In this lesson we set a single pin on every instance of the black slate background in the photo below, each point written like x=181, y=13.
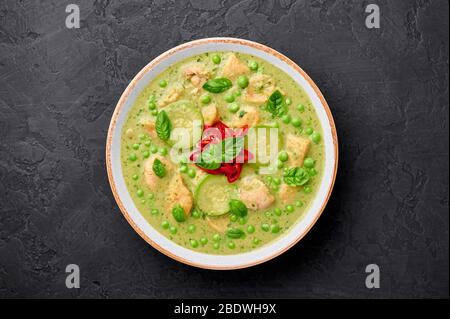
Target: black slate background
x=387, y=88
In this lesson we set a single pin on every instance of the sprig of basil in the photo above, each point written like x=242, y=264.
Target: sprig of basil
x=235, y=233
x=276, y=105
x=238, y=208
x=232, y=147
x=218, y=85
x=159, y=168
x=178, y=213
x=163, y=125
x=296, y=176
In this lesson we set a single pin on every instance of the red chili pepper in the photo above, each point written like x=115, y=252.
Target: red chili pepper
x=231, y=170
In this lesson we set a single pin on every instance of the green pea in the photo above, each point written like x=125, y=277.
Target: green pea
x=231, y=245
x=165, y=224
x=163, y=83
x=309, y=131
x=242, y=81
x=152, y=98
x=135, y=177
x=140, y=192
x=237, y=93
x=250, y=229
x=275, y=229
x=151, y=196
x=242, y=221
x=299, y=203
x=203, y=241
x=216, y=237
x=296, y=122
x=283, y=156
x=196, y=214
x=154, y=112
x=191, y=172
x=216, y=59
x=191, y=228
x=277, y=181
x=141, y=136
x=308, y=162
x=183, y=168
x=275, y=188
x=153, y=149
x=216, y=246
x=229, y=98
x=146, y=154
x=265, y=227
x=277, y=211
x=152, y=106
x=286, y=119
x=154, y=212
x=135, y=146
x=307, y=189
x=233, y=107
x=289, y=208
x=312, y=172
x=288, y=101
x=301, y=108
x=280, y=164
x=256, y=241
x=253, y=65
x=316, y=137
x=173, y=230
x=194, y=243
x=143, y=201
x=233, y=217
x=148, y=143
x=132, y=157
x=205, y=98
x=163, y=151
x=269, y=179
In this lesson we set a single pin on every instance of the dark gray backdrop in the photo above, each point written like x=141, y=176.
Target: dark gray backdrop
x=388, y=91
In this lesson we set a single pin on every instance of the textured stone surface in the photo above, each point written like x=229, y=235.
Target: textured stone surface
x=387, y=88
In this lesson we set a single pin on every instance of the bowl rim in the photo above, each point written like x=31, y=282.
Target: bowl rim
x=156, y=61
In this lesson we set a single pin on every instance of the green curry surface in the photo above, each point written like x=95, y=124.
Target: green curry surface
x=200, y=231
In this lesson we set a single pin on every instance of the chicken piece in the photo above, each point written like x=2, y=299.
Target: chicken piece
x=297, y=147
x=255, y=194
x=178, y=193
x=173, y=95
x=287, y=193
x=196, y=74
x=234, y=67
x=219, y=224
x=210, y=114
x=149, y=125
x=150, y=177
x=247, y=116
x=260, y=87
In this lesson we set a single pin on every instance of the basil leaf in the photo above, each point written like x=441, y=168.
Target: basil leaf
x=232, y=147
x=218, y=85
x=238, y=208
x=159, y=168
x=163, y=126
x=209, y=166
x=296, y=176
x=235, y=233
x=211, y=157
x=276, y=105
x=178, y=213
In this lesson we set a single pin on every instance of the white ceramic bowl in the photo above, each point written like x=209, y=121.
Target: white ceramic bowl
x=163, y=244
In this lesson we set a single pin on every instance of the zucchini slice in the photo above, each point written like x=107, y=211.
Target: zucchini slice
x=213, y=195
x=184, y=114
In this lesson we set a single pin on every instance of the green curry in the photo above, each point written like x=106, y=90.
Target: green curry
x=228, y=199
